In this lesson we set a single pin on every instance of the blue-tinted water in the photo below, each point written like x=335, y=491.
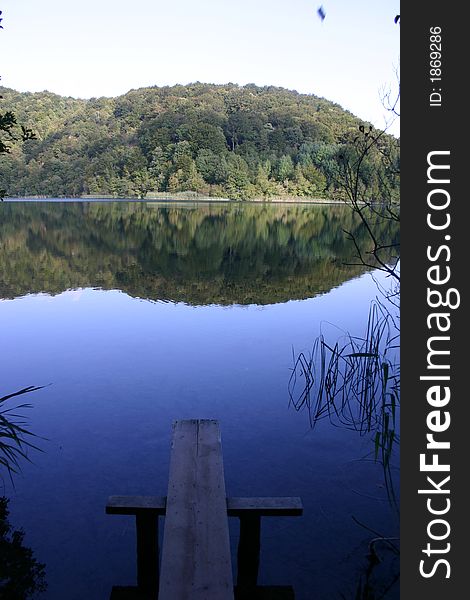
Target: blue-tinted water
x=122, y=368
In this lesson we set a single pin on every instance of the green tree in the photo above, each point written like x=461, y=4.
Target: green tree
x=143, y=181
x=186, y=178
x=285, y=168
x=10, y=130
x=238, y=186
x=136, y=142
x=265, y=185
x=158, y=168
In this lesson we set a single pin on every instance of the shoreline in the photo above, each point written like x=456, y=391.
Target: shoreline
x=183, y=198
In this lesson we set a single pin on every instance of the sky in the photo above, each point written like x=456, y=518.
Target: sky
x=94, y=48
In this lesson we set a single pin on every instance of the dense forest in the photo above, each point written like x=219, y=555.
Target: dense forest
x=224, y=254
x=217, y=140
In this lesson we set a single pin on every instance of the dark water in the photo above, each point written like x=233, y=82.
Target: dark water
x=141, y=314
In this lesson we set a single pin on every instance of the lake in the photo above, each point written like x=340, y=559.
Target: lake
x=136, y=314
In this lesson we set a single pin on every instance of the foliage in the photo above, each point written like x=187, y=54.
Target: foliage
x=8, y=131
x=355, y=382
x=8, y=123
x=372, y=160
x=15, y=439
x=21, y=575
x=220, y=140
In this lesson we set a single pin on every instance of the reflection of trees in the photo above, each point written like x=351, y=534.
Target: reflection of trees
x=21, y=575
x=212, y=254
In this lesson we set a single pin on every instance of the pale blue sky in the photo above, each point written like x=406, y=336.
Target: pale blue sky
x=96, y=48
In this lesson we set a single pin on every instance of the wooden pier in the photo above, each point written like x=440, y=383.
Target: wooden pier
x=195, y=559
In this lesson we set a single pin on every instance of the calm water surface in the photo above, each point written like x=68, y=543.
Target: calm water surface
x=138, y=315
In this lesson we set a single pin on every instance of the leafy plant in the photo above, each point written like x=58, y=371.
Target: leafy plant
x=8, y=128
x=15, y=439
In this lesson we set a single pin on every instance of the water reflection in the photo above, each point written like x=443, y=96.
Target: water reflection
x=213, y=254
x=354, y=383
x=122, y=370
x=21, y=574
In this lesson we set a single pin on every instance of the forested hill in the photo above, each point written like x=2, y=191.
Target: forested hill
x=219, y=140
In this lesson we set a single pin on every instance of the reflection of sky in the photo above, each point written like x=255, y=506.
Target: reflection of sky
x=123, y=369
x=99, y=331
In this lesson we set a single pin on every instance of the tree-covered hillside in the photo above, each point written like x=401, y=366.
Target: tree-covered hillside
x=218, y=140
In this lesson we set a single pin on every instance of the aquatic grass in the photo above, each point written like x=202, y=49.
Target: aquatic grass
x=15, y=438
x=381, y=549
x=355, y=383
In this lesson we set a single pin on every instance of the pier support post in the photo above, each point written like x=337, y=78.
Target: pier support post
x=249, y=551
x=147, y=554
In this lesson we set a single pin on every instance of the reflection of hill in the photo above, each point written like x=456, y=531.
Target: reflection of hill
x=226, y=254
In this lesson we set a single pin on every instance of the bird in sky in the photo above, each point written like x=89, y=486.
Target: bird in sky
x=321, y=13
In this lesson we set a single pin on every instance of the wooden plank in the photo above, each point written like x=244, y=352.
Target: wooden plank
x=236, y=507
x=265, y=507
x=196, y=560
x=132, y=505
